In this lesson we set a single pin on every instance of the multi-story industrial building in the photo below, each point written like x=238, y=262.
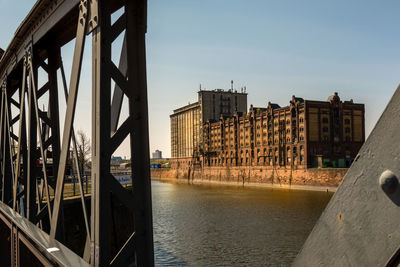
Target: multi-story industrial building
x=304, y=134
x=187, y=121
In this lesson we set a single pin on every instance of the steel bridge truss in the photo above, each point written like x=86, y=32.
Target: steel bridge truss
x=31, y=142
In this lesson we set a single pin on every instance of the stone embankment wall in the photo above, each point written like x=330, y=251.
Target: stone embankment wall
x=254, y=175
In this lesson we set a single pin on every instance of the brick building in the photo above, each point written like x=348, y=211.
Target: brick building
x=187, y=121
x=306, y=133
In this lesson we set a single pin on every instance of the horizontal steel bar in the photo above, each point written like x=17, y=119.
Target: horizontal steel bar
x=44, y=15
x=54, y=249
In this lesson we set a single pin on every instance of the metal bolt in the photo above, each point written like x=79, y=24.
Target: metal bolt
x=388, y=182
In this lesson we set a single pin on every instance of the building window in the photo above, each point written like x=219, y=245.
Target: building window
x=326, y=138
x=288, y=122
x=325, y=129
x=346, y=121
x=348, y=139
x=347, y=130
x=325, y=120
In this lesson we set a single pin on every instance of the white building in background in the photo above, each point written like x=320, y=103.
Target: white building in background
x=157, y=154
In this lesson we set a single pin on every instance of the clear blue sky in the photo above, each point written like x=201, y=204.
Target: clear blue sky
x=308, y=48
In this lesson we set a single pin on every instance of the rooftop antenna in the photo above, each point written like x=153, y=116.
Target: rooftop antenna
x=232, y=85
x=200, y=87
x=245, y=89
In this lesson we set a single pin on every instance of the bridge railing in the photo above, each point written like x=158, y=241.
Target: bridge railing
x=23, y=244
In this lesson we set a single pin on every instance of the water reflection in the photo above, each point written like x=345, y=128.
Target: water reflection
x=231, y=226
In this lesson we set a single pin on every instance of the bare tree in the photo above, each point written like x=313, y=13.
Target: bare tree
x=83, y=147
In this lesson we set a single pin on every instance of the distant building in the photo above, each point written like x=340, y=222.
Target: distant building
x=305, y=134
x=116, y=161
x=125, y=165
x=187, y=121
x=157, y=154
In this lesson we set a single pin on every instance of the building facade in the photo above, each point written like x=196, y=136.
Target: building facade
x=187, y=122
x=304, y=134
x=156, y=154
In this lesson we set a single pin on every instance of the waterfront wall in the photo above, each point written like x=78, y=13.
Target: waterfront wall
x=257, y=175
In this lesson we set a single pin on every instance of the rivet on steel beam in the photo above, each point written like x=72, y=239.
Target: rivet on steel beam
x=388, y=182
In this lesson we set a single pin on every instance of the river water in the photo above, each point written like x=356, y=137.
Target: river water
x=208, y=225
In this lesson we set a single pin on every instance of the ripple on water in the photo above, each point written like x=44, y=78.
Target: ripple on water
x=228, y=226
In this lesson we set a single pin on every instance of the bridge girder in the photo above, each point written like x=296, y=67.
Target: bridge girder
x=26, y=186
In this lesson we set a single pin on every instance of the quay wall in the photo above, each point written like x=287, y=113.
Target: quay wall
x=256, y=175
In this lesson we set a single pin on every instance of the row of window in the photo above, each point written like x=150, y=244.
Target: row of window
x=216, y=162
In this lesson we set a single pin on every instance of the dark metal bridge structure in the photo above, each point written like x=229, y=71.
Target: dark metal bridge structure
x=117, y=221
